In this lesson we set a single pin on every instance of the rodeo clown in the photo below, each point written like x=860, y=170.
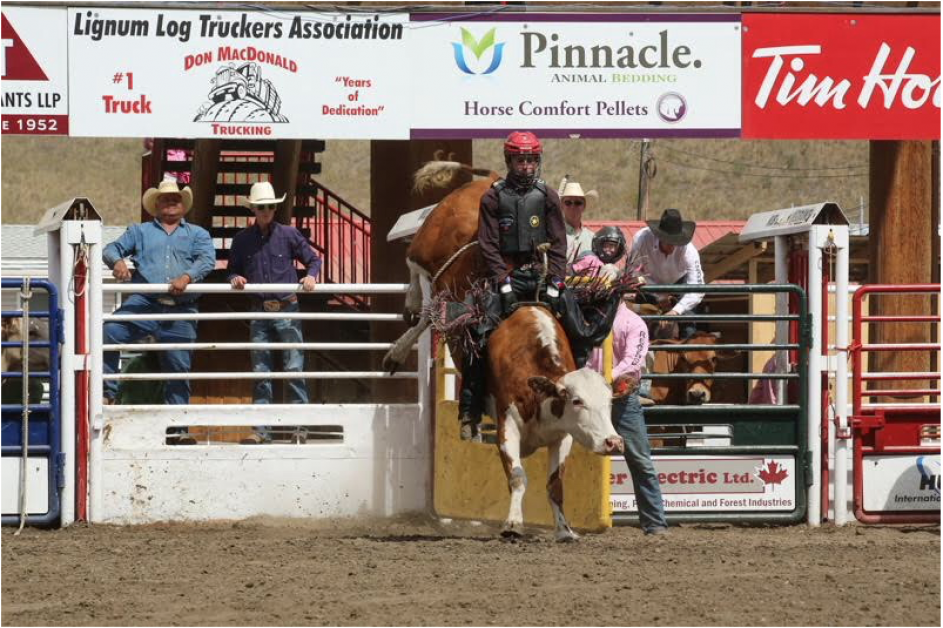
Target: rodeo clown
x=517, y=215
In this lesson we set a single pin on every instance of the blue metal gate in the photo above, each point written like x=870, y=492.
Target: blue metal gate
x=43, y=416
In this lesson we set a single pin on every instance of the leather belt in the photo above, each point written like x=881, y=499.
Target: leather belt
x=277, y=305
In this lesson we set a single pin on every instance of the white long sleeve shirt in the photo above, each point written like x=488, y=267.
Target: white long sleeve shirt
x=657, y=268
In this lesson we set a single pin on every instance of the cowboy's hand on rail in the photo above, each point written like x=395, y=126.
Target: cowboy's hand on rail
x=121, y=272
x=308, y=283
x=238, y=282
x=178, y=285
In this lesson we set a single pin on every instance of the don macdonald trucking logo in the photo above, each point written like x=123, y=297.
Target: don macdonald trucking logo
x=240, y=100
x=640, y=59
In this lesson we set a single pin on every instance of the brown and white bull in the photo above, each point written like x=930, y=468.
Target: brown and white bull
x=539, y=399
x=696, y=391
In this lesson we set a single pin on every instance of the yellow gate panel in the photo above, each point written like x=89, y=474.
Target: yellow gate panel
x=469, y=481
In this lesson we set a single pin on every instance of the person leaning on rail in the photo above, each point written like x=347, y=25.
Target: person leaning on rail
x=266, y=252
x=170, y=250
x=579, y=239
x=668, y=256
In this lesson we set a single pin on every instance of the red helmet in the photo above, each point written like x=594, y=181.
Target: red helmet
x=522, y=143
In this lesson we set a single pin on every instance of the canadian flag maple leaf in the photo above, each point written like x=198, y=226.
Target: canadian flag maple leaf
x=773, y=473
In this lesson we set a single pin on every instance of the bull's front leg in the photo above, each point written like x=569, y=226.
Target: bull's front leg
x=509, y=444
x=557, y=453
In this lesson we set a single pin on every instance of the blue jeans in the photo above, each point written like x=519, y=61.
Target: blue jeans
x=293, y=360
x=630, y=425
x=176, y=391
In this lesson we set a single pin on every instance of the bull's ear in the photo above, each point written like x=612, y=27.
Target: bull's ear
x=546, y=387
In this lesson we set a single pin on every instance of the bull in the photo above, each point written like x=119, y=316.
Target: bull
x=540, y=399
x=701, y=362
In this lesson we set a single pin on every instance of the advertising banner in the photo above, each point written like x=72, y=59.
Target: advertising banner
x=35, y=71
x=713, y=484
x=567, y=75
x=237, y=74
x=901, y=483
x=847, y=76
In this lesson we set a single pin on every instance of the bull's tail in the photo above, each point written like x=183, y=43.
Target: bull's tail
x=442, y=174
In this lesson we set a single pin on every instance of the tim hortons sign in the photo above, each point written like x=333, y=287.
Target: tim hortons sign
x=841, y=76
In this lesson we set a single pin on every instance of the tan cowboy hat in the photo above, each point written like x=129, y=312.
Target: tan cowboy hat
x=168, y=186
x=572, y=188
x=262, y=193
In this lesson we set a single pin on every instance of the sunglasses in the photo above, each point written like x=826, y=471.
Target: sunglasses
x=574, y=203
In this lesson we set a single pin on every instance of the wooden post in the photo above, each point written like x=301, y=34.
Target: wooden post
x=901, y=243
x=203, y=182
x=392, y=165
x=285, y=177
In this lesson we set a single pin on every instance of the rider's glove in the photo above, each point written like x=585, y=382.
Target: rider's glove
x=508, y=298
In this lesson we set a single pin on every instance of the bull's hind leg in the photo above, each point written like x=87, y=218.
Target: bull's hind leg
x=557, y=459
x=509, y=444
x=414, y=293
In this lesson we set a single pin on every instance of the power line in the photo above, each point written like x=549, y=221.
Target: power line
x=759, y=167
x=757, y=174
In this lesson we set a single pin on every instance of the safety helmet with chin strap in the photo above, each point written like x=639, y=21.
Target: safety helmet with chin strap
x=522, y=143
x=613, y=234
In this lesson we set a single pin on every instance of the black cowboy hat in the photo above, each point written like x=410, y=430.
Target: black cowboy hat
x=671, y=229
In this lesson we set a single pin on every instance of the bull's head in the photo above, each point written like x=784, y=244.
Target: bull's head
x=12, y=331
x=702, y=362
x=580, y=404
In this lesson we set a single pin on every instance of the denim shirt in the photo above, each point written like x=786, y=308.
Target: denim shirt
x=160, y=257
x=271, y=258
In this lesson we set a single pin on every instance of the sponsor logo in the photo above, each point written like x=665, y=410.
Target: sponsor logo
x=478, y=48
x=671, y=107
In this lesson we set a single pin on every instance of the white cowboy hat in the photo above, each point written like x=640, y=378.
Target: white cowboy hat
x=168, y=186
x=262, y=193
x=572, y=188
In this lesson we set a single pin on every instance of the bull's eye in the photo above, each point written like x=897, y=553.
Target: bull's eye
x=577, y=402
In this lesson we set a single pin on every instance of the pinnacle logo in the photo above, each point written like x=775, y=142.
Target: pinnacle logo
x=477, y=48
x=17, y=63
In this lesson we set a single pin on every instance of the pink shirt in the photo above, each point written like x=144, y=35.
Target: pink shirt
x=629, y=344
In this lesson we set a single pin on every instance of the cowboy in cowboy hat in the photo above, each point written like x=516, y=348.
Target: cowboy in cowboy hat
x=266, y=252
x=579, y=239
x=166, y=250
x=667, y=256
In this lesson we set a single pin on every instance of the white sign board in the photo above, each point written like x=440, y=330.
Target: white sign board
x=713, y=484
x=790, y=221
x=237, y=74
x=901, y=483
x=562, y=75
x=35, y=71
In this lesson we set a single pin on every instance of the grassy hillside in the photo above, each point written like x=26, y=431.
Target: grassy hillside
x=706, y=179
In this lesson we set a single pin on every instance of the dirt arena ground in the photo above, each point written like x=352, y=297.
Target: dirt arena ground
x=418, y=571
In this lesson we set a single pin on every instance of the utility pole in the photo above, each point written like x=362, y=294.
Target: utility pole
x=642, y=212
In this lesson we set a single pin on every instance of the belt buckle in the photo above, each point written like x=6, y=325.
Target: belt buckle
x=272, y=306
x=168, y=301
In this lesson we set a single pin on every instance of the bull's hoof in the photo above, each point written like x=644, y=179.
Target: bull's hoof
x=567, y=536
x=390, y=365
x=410, y=318
x=512, y=530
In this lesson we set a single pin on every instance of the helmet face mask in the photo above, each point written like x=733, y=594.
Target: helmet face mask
x=522, y=156
x=609, y=244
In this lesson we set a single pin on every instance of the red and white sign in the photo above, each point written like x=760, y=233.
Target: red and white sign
x=712, y=484
x=35, y=71
x=814, y=76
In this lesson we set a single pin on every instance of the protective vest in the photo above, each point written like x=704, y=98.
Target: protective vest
x=522, y=218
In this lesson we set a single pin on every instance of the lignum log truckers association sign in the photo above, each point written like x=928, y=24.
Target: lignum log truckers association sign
x=242, y=74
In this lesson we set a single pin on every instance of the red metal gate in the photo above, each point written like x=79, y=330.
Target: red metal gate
x=896, y=445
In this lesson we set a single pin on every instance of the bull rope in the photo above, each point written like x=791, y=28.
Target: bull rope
x=449, y=261
x=25, y=296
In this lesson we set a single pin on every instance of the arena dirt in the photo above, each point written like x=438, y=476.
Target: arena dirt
x=418, y=571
